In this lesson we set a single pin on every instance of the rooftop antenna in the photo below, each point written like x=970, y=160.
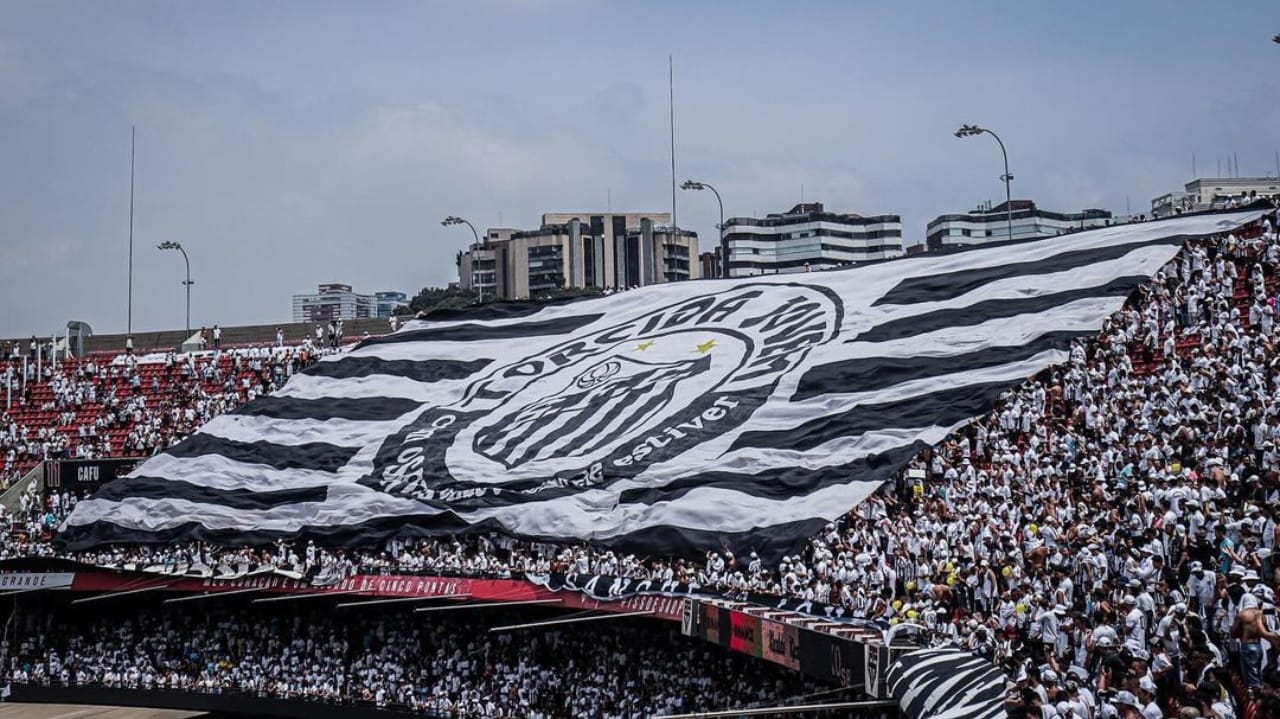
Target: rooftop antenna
x=802, y=193
x=671, y=99
x=133, y=143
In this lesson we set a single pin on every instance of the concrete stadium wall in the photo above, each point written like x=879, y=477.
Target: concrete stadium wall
x=232, y=336
x=165, y=340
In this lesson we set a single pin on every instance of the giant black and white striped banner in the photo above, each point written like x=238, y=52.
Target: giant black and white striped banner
x=691, y=415
x=946, y=683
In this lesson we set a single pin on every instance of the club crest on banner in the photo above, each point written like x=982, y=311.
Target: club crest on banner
x=611, y=401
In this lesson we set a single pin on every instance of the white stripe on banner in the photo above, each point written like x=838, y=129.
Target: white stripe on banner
x=677, y=417
x=302, y=386
x=1141, y=261
x=1081, y=315
x=212, y=470
x=582, y=513
x=433, y=349
x=346, y=503
x=576, y=517
x=293, y=432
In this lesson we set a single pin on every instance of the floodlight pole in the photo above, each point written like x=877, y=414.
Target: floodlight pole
x=170, y=245
x=970, y=131
x=455, y=220
x=1008, y=193
x=724, y=247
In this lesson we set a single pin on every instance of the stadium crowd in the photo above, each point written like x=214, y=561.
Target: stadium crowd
x=1105, y=534
x=146, y=403
x=435, y=667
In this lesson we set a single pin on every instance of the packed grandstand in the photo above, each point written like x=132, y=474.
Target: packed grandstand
x=1103, y=537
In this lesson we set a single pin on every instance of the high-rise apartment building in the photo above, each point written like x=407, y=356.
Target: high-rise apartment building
x=991, y=224
x=334, y=301
x=808, y=238
x=1214, y=193
x=604, y=250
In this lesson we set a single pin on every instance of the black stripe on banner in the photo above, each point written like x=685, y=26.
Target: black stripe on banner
x=436, y=370
x=363, y=534
x=481, y=333
x=784, y=482
x=950, y=285
x=362, y=409
x=987, y=310
x=514, y=309
x=772, y=542
x=318, y=456
x=942, y=408
x=244, y=499
x=866, y=374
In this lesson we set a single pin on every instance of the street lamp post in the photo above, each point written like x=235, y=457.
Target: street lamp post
x=171, y=245
x=455, y=220
x=724, y=248
x=972, y=130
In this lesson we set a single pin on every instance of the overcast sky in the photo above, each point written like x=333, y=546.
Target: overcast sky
x=286, y=144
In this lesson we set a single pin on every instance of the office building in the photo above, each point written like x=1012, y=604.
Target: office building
x=333, y=301
x=386, y=303
x=1214, y=193
x=991, y=224
x=808, y=238
x=483, y=269
x=710, y=263
x=605, y=250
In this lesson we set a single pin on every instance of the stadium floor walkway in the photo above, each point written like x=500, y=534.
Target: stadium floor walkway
x=77, y=711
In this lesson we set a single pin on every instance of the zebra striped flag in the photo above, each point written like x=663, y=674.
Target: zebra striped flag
x=743, y=413
x=946, y=682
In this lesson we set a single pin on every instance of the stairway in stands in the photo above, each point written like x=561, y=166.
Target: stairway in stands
x=1242, y=300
